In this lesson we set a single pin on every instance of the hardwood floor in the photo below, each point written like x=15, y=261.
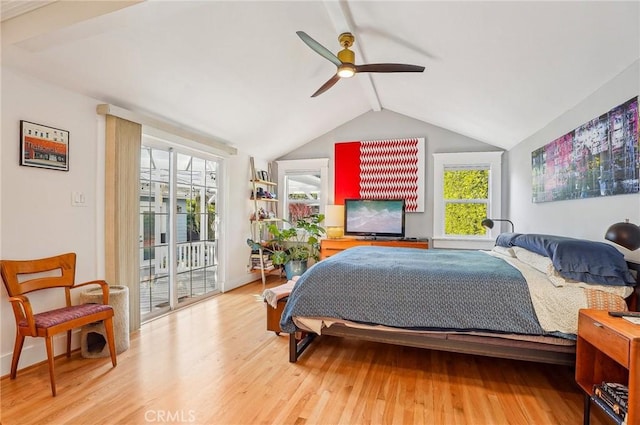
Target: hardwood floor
x=214, y=363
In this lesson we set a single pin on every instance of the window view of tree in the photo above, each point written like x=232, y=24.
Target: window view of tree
x=149, y=240
x=466, y=195
x=194, y=217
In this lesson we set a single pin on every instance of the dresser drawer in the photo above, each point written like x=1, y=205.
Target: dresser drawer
x=342, y=244
x=606, y=339
x=329, y=247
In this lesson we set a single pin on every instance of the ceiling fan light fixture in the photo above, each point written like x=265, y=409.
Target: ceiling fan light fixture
x=346, y=70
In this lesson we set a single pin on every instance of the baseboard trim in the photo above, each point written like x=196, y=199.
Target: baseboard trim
x=34, y=352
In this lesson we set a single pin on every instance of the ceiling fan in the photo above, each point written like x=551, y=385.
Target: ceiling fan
x=346, y=58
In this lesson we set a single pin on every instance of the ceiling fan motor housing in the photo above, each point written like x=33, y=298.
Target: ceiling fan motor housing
x=346, y=56
x=346, y=40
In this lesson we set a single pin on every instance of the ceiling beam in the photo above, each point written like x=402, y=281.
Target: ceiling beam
x=55, y=16
x=12, y=8
x=341, y=19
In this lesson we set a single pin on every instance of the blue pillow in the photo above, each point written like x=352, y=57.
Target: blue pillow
x=540, y=244
x=582, y=260
x=506, y=239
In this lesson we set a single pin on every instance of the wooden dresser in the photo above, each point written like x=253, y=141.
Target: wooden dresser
x=328, y=247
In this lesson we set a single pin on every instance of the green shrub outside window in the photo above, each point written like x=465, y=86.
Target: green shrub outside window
x=466, y=195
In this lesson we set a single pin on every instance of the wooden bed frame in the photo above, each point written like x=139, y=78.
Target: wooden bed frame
x=458, y=342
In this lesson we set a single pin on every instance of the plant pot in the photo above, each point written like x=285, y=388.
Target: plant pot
x=295, y=268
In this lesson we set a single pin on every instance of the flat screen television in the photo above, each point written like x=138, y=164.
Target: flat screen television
x=374, y=217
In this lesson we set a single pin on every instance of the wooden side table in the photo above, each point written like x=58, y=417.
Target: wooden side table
x=608, y=350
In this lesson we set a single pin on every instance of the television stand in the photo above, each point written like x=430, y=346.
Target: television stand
x=329, y=247
x=377, y=238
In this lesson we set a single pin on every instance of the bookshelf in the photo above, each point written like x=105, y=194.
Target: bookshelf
x=264, y=212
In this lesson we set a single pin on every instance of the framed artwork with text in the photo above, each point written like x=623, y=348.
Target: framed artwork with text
x=43, y=146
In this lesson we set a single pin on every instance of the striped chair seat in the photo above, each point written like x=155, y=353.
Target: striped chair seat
x=55, y=317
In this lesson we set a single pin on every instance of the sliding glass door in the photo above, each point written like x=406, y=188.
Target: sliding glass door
x=155, y=188
x=196, y=197
x=178, y=221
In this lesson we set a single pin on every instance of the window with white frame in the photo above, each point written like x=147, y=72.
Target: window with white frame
x=304, y=187
x=467, y=189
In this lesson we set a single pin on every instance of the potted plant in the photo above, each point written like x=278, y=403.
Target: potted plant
x=293, y=246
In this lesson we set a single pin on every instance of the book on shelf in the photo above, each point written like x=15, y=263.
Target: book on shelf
x=266, y=261
x=265, y=268
x=608, y=410
x=614, y=396
x=619, y=392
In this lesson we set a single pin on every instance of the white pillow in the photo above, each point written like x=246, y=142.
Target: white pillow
x=504, y=251
x=542, y=264
x=537, y=261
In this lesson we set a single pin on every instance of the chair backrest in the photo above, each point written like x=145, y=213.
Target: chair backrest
x=52, y=272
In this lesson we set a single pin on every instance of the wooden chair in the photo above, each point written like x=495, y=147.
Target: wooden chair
x=52, y=272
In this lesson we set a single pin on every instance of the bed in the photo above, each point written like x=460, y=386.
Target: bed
x=520, y=300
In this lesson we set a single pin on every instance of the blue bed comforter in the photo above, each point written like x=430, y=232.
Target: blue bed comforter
x=415, y=289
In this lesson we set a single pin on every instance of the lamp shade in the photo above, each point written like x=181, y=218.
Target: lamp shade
x=334, y=220
x=488, y=223
x=334, y=215
x=624, y=234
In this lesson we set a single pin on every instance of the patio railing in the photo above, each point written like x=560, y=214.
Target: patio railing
x=189, y=255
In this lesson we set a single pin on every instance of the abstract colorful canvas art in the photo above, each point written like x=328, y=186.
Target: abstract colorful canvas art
x=599, y=158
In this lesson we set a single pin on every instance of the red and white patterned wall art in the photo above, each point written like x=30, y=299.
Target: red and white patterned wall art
x=381, y=169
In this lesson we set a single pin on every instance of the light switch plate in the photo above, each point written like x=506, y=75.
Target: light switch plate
x=78, y=199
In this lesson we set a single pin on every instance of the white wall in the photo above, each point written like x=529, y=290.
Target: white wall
x=583, y=218
x=387, y=125
x=37, y=219
x=237, y=221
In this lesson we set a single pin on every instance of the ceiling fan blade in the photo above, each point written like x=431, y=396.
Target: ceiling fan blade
x=388, y=67
x=319, y=48
x=326, y=86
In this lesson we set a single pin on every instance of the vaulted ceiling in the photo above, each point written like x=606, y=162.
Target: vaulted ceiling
x=236, y=70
